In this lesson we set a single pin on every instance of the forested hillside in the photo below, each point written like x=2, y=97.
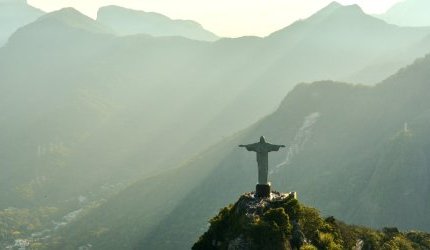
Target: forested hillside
x=349, y=153
x=119, y=141
x=100, y=109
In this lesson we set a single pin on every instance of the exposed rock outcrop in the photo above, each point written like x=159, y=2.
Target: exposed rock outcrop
x=253, y=223
x=280, y=222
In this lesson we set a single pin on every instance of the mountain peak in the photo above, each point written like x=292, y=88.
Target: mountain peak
x=13, y=15
x=328, y=10
x=64, y=14
x=13, y=1
x=75, y=19
x=281, y=222
x=256, y=223
x=408, y=13
x=338, y=13
x=335, y=7
x=331, y=18
x=63, y=21
x=64, y=11
x=130, y=22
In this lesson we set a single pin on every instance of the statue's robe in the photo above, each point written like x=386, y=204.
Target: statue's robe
x=262, y=149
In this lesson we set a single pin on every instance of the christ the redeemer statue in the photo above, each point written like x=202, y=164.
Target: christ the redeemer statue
x=262, y=149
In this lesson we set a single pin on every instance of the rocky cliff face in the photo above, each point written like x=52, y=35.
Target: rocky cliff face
x=281, y=222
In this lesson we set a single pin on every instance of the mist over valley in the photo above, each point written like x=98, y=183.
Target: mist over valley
x=122, y=132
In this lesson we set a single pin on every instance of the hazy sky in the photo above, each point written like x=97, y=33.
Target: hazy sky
x=223, y=17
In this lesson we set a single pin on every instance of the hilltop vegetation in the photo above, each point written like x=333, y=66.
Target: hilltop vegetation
x=284, y=223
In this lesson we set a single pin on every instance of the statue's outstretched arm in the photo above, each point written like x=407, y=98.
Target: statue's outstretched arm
x=249, y=147
x=273, y=147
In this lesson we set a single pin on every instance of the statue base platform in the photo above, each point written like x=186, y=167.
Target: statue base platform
x=263, y=190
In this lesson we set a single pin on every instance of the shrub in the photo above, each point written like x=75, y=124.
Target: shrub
x=308, y=247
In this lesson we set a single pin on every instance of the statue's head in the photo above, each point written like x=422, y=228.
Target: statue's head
x=262, y=139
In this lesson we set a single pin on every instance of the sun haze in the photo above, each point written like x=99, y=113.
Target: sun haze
x=223, y=17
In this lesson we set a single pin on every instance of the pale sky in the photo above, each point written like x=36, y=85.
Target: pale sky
x=229, y=18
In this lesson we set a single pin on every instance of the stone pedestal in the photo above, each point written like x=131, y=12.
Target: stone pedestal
x=262, y=190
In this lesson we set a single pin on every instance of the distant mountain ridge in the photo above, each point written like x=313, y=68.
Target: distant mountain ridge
x=13, y=15
x=107, y=86
x=130, y=22
x=345, y=27
x=350, y=142
x=14, y=1
x=75, y=19
x=408, y=13
x=83, y=108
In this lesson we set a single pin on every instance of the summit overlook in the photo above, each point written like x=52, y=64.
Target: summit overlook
x=127, y=138
x=282, y=223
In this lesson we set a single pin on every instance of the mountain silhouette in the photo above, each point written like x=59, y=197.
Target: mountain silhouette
x=338, y=30
x=15, y=14
x=83, y=108
x=345, y=144
x=130, y=22
x=72, y=18
x=339, y=43
x=100, y=92
x=408, y=13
